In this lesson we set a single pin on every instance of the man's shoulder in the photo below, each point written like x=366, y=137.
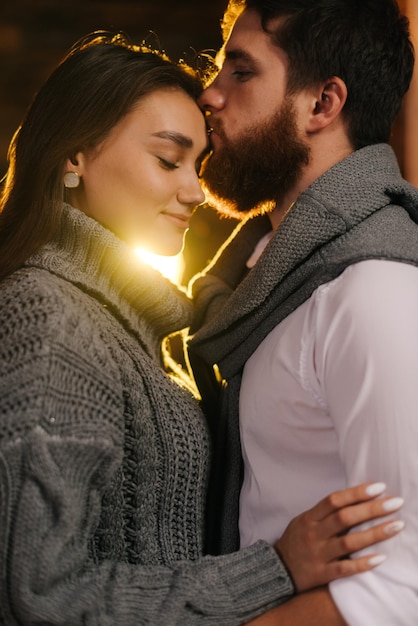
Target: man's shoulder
x=371, y=284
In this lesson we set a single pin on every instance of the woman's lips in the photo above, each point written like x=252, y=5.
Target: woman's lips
x=178, y=219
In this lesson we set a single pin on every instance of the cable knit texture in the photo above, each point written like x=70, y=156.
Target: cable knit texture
x=103, y=456
x=360, y=209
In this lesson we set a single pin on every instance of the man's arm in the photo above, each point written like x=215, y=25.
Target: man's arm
x=317, y=547
x=365, y=370
x=313, y=608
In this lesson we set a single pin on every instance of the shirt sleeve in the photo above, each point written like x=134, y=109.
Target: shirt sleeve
x=366, y=363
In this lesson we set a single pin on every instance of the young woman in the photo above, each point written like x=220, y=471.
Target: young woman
x=103, y=455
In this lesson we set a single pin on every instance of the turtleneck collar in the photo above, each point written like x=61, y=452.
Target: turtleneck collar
x=91, y=257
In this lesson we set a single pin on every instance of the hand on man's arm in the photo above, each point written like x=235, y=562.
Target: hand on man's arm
x=312, y=608
x=316, y=549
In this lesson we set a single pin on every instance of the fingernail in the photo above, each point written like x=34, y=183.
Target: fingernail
x=375, y=489
x=377, y=560
x=394, y=527
x=393, y=504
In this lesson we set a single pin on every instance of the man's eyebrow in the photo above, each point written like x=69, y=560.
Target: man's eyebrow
x=237, y=54
x=178, y=138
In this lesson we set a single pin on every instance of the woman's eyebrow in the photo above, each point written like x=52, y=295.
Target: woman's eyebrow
x=178, y=138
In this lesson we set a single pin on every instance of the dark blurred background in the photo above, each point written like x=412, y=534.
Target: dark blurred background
x=35, y=34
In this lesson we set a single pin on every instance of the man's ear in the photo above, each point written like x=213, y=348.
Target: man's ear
x=327, y=106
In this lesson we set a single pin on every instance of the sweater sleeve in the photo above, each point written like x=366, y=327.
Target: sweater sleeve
x=48, y=514
x=61, y=442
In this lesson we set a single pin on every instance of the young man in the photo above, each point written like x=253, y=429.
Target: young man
x=310, y=312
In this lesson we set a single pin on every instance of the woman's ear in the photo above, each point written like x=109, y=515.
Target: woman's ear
x=72, y=172
x=327, y=106
x=74, y=161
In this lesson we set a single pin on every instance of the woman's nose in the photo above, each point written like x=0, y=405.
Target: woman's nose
x=191, y=192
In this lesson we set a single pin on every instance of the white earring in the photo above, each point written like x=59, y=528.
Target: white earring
x=71, y=180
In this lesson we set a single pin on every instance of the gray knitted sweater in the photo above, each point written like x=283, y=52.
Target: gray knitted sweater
x=360, y=209
x=103, y=456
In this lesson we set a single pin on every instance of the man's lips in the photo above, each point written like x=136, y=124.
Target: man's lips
x=214, y=139
x=215, y=131
x=214, y=127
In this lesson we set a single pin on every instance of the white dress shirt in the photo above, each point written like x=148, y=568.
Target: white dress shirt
x=328, y=400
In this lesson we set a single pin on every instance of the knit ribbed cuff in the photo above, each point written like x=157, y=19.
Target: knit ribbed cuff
x=257, y=578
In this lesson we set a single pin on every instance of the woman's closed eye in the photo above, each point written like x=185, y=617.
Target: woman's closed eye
x=168, y=165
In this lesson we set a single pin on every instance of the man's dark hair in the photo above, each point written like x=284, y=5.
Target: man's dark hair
x=364, y=42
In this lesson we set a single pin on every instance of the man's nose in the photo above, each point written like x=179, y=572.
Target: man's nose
x=212, y=99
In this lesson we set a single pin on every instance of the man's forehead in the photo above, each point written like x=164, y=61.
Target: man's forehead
x=238, y=36
x=248, y=21
x=245, y=35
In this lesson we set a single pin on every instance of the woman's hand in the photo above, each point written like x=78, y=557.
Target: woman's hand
x=315, y=546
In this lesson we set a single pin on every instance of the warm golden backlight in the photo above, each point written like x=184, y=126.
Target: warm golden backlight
x=169, y=266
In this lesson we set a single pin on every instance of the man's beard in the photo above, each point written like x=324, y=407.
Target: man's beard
x=253, y=173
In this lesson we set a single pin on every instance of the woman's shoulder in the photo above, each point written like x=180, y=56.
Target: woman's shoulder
x=51, y=359
x=43, y=313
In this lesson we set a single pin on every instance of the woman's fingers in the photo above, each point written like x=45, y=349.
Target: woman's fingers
x=342, y=568
x=346, y=497
x=316, y=546
x=313, y=562
x=345, y=545
x=343, y=519
x=349, y=567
